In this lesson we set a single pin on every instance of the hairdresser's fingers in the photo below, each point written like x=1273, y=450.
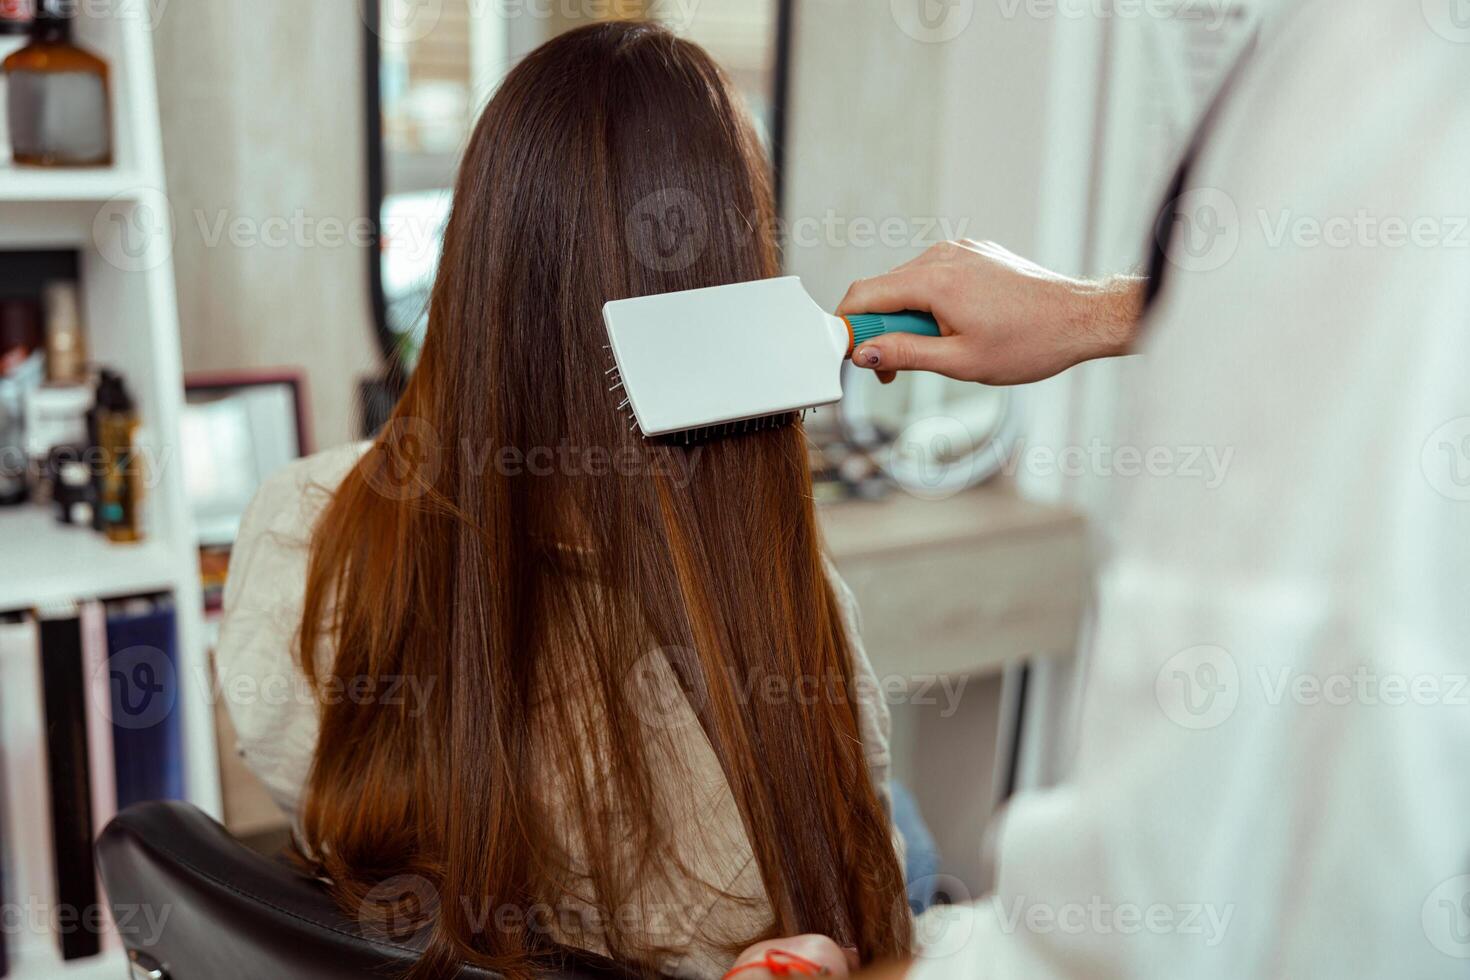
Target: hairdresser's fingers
x=911, y=288
x=950, y=356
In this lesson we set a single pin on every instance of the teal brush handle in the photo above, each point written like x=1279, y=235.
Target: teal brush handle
x=866, y=326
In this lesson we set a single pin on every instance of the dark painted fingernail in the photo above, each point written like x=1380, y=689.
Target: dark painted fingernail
x=868, y=357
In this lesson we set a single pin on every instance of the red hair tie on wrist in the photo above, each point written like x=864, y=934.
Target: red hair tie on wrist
x=782, y=963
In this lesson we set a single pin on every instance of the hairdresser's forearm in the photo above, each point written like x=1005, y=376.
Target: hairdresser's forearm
x=1120, y=310
x=1005, y=320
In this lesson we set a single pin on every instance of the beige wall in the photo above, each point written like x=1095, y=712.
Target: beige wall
x=262, y=116
x=888, y=127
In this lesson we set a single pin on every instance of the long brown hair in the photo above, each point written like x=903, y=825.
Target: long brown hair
x=508, y=538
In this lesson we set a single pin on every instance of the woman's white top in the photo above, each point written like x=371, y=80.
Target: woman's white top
x=1272, y=772
x=275, y=715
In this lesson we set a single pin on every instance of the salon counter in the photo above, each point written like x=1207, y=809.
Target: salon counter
x=961, y=586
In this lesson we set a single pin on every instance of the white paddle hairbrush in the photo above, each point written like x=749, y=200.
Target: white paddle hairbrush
x=730, y=359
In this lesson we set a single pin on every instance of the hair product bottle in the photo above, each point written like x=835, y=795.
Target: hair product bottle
x=56, y=96
x=120, y=477
x=66, y=348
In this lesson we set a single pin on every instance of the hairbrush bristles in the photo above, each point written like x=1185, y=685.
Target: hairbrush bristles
x=709, y=433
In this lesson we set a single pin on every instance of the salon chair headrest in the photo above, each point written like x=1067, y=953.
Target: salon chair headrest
x=193, y=903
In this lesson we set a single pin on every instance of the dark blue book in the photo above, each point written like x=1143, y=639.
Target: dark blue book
x=143, y=676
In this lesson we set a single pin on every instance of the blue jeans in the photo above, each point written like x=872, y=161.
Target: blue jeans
x=921, y=860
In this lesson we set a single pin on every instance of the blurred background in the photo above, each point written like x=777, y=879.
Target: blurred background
x=222, y=262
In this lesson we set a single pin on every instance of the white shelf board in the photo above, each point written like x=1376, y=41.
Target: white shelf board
x=43, y=561
x=25, y=185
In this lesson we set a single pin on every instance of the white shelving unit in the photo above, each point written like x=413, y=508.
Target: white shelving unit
x=118, y=219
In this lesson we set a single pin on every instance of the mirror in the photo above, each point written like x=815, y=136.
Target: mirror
x=437, y=62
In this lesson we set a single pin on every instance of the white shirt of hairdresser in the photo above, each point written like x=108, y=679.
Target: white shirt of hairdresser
x=1273, y=770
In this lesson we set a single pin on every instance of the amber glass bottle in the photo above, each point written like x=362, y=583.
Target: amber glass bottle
x=56, y=95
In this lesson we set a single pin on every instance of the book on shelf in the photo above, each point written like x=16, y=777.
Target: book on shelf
x=29, y=877
x=145, y=699
x=97, y=676
x=4, y=889
x=89, y=723
x=64, y=686
x=22, y=752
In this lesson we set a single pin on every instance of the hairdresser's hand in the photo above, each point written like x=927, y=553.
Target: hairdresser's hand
x=820, y=951
x=1004, y=320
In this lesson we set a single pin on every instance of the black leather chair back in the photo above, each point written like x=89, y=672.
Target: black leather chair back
x=193, y=903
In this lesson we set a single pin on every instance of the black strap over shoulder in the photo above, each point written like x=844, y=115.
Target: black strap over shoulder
x=1165, y=226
